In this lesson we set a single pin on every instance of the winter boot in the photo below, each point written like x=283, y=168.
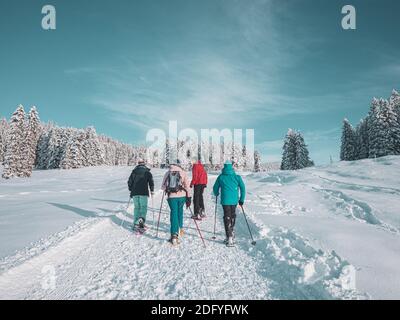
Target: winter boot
x=196, y=217
x=230, y=242
x=203, y=214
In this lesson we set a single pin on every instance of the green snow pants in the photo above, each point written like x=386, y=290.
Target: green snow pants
x=140, y=208
x=176, y=206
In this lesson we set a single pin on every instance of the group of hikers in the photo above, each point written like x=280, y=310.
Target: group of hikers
x=177, y=187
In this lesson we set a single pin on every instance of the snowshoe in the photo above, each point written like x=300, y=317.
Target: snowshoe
x=138, y=229
x=196, y=217
x=174, y=240
x=226, y=240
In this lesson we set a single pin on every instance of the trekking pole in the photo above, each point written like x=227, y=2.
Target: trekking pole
x=152, y=205
x=215, y=218
x=197, y=227
x=129, y=203
x=159, y=214
x=248, y=226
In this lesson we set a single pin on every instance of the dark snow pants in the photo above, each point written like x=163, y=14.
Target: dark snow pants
x=198, y=199
x=229, y=219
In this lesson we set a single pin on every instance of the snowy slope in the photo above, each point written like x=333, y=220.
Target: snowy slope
x=350, y=207
x=75, y=224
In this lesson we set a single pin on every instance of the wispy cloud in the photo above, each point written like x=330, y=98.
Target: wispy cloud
x=243, y=76
x=234, y=84
x=206, y=91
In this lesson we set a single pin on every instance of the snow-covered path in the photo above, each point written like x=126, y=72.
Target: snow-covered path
x=106, y=260
x=100, y=258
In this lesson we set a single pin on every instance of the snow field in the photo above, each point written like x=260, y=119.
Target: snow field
x=99, y=257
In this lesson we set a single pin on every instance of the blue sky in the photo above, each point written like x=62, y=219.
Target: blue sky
x=128, y=66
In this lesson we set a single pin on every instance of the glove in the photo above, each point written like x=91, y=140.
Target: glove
x=188, y=202
x=241, y=203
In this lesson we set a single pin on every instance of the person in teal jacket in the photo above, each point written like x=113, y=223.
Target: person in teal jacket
x=230, y=184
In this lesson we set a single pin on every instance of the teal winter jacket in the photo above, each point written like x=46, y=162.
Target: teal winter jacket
x=230, y=184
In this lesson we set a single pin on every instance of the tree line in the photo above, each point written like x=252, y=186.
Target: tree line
x=27, y=144
x=377, y=135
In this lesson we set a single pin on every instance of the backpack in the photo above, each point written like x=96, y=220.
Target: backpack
x=174, y=182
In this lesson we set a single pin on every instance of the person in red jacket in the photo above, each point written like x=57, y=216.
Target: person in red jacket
x=199, y=183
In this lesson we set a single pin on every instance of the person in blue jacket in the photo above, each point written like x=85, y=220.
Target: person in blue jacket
x=233, y=192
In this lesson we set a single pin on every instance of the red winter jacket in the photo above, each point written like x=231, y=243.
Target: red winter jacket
x=199, y=175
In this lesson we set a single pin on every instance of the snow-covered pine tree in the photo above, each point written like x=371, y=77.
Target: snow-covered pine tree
x=58, y=139
x=245, y=160
x=237, y=156
x=295, y=152
x=33, y=132
x=289, y=151
x=167, y=152
x=155, y=160
x=187, y=149
x=112, y=151
x=205, y=153
x=42, y=154
x=216, y=156
x=109, y=147
x=74, y=154
x=3, y=138
x=395, y=103
x=303, y=157
x=14, y=151
x=362, y=140
x=384, y=130
x=248, y=158
x=119, y=154
x=93, y=150
x=142, y=152
x=348, y=147
x=257, y=161
x=52, y=151
x=133, y=157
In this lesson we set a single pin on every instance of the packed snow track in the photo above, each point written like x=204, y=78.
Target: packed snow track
x=99, y=257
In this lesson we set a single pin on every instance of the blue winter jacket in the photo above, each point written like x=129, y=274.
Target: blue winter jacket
x=230, y=184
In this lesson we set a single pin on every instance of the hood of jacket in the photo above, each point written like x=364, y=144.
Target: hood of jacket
x=198, y=165
x=174, y=167
x=141, y=167
x=228, y=169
